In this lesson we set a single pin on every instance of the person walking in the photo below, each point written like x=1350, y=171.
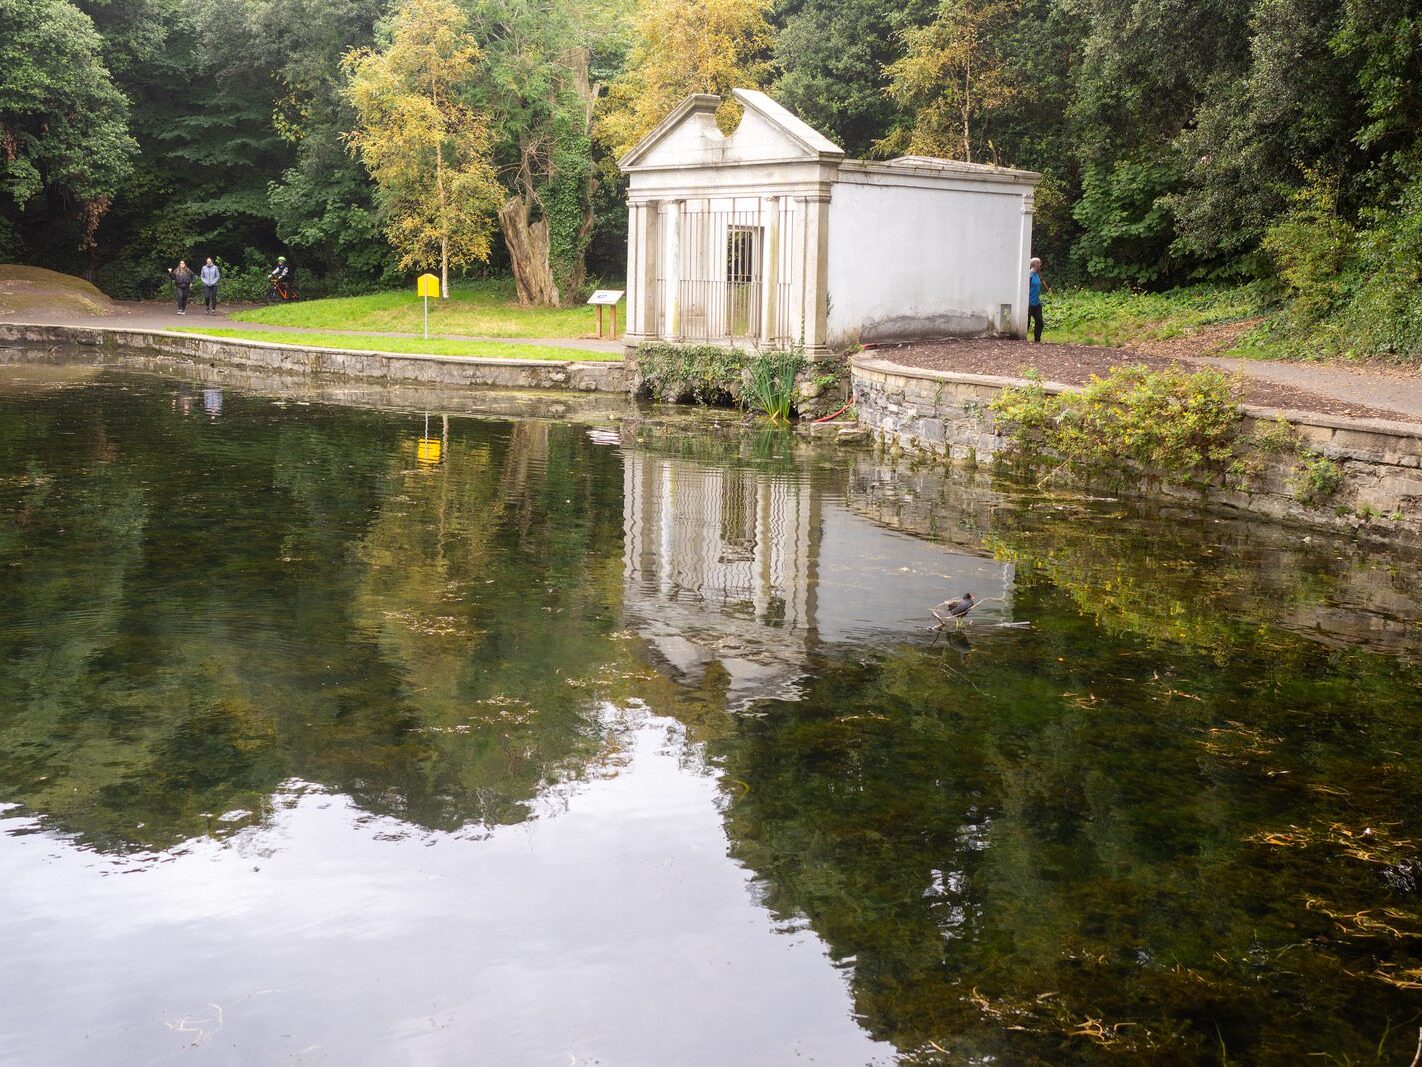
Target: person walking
x=210, y=277
x=183, y=279
x=1034, y=299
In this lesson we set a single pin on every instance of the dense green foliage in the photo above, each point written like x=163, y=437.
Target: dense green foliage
x=1262, y=140
x=703, y=374
x=64, y=142
x=761, y=382
x=1172, y=421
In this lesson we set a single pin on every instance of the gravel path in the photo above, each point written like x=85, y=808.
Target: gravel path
x=141, y=315
x=1315, y=388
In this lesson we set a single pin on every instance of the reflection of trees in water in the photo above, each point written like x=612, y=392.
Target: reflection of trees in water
x=1074, y=832
x=1171, y=573
x=492, y=617
x=1139, y=811
x=205, y=610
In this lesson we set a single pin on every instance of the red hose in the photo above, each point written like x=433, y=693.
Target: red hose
x=830, y=418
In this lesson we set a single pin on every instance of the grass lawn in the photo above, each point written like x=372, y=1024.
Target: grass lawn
x=1084, y=317
x=410, y=345
x=485, y=308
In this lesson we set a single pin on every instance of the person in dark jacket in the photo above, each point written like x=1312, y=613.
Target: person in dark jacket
x=210, y=277
x=280, y=278
x=183, y=279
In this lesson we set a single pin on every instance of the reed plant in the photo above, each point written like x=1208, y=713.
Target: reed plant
x=769, y=384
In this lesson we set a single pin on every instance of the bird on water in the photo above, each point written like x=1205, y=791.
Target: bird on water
x=956, y=610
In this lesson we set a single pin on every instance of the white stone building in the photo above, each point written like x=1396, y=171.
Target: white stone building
x=768, y=236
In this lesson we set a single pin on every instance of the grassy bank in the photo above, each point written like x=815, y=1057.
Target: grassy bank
x=1121, y=318
x=484, y=308
x=406, y=345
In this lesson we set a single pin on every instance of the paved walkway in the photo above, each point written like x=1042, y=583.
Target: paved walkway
x=1383, y=388
x=154, y=316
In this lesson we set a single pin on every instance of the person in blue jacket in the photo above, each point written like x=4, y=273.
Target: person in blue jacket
x=1034, y=299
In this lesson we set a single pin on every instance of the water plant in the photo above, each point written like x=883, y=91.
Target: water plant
x=769, y=386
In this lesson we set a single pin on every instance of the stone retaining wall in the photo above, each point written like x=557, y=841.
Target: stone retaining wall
x=575, y=375
x=948, y=415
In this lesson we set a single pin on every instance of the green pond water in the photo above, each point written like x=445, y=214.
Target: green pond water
x=337, y=735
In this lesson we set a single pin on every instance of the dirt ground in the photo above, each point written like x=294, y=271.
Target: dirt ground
x=26, y=290
x=1075, y=364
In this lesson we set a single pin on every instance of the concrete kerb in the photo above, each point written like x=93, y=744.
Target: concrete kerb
x=490, y=371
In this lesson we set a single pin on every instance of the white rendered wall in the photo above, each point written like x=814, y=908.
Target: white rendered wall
x=911, y=262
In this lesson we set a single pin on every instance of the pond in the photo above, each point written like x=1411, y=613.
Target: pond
x=357, y=736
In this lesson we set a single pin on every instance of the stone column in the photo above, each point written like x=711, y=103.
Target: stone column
x=643, y=247
x=815, y=274
x=770, y=271
x=671, y=297
x=636, y=294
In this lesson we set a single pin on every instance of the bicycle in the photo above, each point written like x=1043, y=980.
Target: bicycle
x=279, y=291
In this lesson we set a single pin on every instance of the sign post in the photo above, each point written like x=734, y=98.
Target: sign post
x=606, y=298
x=427, y=285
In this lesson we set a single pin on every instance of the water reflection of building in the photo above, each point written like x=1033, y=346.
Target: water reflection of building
x=753, y=570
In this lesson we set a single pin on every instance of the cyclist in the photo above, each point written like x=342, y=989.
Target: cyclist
x=280, y=279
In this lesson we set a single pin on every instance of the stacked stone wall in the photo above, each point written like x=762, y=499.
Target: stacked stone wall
x=948, y=416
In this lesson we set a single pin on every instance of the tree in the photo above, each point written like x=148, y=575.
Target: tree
x=63, y=123
x=1248, y=141
x=1146, y=68
x=324, y=202
x=202, y=116
x=832, y=56
x=536, y=86
x=428, y=151
x=684, y=47
x=951, y=77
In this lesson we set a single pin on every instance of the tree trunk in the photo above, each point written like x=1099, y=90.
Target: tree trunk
x=579, y=62
x=528, y=252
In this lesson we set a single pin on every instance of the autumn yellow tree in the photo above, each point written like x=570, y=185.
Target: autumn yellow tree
x=683, y=47
x=951, y=77
x=429, y=153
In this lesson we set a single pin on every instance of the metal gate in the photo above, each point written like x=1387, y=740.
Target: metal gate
x=723, y=256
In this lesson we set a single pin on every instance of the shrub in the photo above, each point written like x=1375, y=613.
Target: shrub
x=1175, y=421
x=1310, y=247
x=1315, y=479
x=242, y=284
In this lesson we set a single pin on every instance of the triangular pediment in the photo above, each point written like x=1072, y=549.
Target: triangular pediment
x=767, y=132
